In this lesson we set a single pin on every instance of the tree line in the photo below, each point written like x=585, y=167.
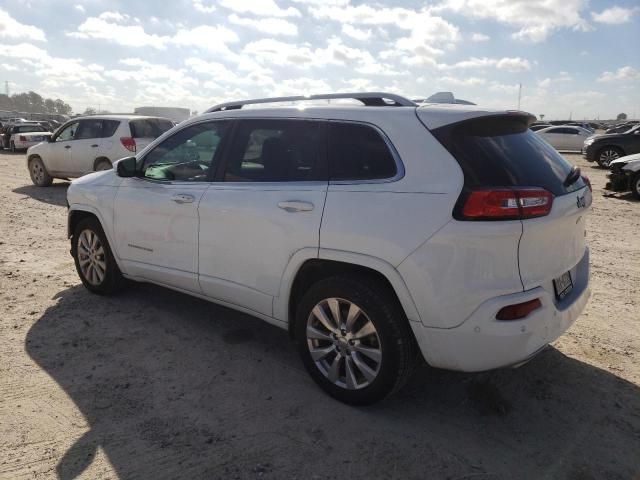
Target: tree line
x=31, y=102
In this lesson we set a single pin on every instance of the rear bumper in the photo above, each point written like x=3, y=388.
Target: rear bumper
x=484, y=343
x=25, y=145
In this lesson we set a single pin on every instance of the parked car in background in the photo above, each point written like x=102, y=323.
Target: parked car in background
x=22, y=136
x=625, y=175
x=292, y=215
x=608, y=147
x=13, y=120
x=564, y=137
x=539, y=126
x=87, y=144
x=585, y=125
x=625, y=127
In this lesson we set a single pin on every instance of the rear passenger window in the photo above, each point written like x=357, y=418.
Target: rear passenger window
x=358, y=152
x=277, y=151
x=89, y=129
x=149, y=127
x=109, y=127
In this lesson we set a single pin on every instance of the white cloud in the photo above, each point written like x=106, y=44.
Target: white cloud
x=206, y=37
x=479, y=37
x=103, y=28
x=201, y=7
x=263, y=8
x=272, y=26
x=461, y=81
x=614, y=15
x=510, y=64
x=323, y=2
x=535, y=19
x=13, y=29
x=80, y=8
x=356, y=33
x=622, y=74
x=268, y=50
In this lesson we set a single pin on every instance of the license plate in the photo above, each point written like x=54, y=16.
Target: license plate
x=563, y=285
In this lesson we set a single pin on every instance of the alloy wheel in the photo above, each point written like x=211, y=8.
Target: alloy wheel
x=608, y=156
x=344, y=343
x=91, y=257
x=37, y=172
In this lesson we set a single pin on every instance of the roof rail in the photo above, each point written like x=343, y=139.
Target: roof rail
x=369, y=99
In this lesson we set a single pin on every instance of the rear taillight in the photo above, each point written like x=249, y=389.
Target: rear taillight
x=588, y=182
x=507, y=204
x=22, y=138
x=519, y=310
x=129, y=143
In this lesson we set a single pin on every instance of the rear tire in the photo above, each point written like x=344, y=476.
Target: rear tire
x=94, y=260
x=607, y=155
x=38, y=172
x=635, y=186
x=364, y=357
x=103, y=165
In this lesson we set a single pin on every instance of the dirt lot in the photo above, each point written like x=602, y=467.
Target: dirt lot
x=153, y=384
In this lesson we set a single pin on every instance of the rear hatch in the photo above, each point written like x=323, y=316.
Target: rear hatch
x=146, y=130
x=498, y=153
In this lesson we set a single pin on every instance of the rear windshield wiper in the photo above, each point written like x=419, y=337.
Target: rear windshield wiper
x=573, y=175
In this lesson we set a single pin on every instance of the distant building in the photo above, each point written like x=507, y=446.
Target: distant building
x=176, y=114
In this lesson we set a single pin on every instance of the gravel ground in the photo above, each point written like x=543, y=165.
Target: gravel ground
x=153, y=384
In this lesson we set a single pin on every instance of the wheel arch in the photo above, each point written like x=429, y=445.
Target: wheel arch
x=78, y=212
x=100, y=159
x=610, y=145
x=304, y=270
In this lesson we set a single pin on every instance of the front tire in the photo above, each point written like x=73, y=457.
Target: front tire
x=38, y=172
x=607, y=155
x=635, y=186
x=354, y=339
x=94, y=260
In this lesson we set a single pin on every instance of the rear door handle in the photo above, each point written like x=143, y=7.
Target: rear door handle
x=183, y=198
x=296, y=206
x=94, y=146
x=67, y=146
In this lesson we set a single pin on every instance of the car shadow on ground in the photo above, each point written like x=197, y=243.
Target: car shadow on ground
x=56, y=194
x=628, y=196
x=175, y=387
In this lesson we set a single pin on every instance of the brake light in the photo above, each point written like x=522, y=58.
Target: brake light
x=507, y=204
x=519, y=310
x=129, y=143
x=22, y=138
x=588, y=182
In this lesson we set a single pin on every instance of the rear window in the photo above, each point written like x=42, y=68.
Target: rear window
x=149, y=127
x=358, y=152
x=33, y=128
x=502, y=152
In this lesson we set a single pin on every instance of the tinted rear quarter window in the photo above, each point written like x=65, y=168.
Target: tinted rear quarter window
x=502, y=152
x=89, y=129
x=358, y=152
x=149, y=127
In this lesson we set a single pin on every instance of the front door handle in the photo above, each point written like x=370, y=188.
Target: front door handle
x=296, y=206
x=94, y=146
x=67, y=146
x=183, y=198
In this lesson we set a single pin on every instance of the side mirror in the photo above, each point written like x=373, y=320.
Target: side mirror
x=126, y=167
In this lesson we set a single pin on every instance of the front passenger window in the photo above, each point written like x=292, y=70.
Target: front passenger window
x=68, y=133
x=186, y=156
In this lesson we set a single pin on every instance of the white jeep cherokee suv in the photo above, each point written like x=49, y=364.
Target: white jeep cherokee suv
x=372, y=233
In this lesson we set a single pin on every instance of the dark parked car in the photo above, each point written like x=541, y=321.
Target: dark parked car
x=608, y=147
x=620, y=128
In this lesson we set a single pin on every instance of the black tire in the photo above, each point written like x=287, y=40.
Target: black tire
x=396, y=342
x=635, y=186
x=38, y=172
x=103, y=164
x=607, y=154
x=112, y=280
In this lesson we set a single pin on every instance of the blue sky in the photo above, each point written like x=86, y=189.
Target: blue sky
x=576, y=57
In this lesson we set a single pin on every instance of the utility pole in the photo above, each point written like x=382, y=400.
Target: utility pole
x=519, y=94
x=6, y=87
